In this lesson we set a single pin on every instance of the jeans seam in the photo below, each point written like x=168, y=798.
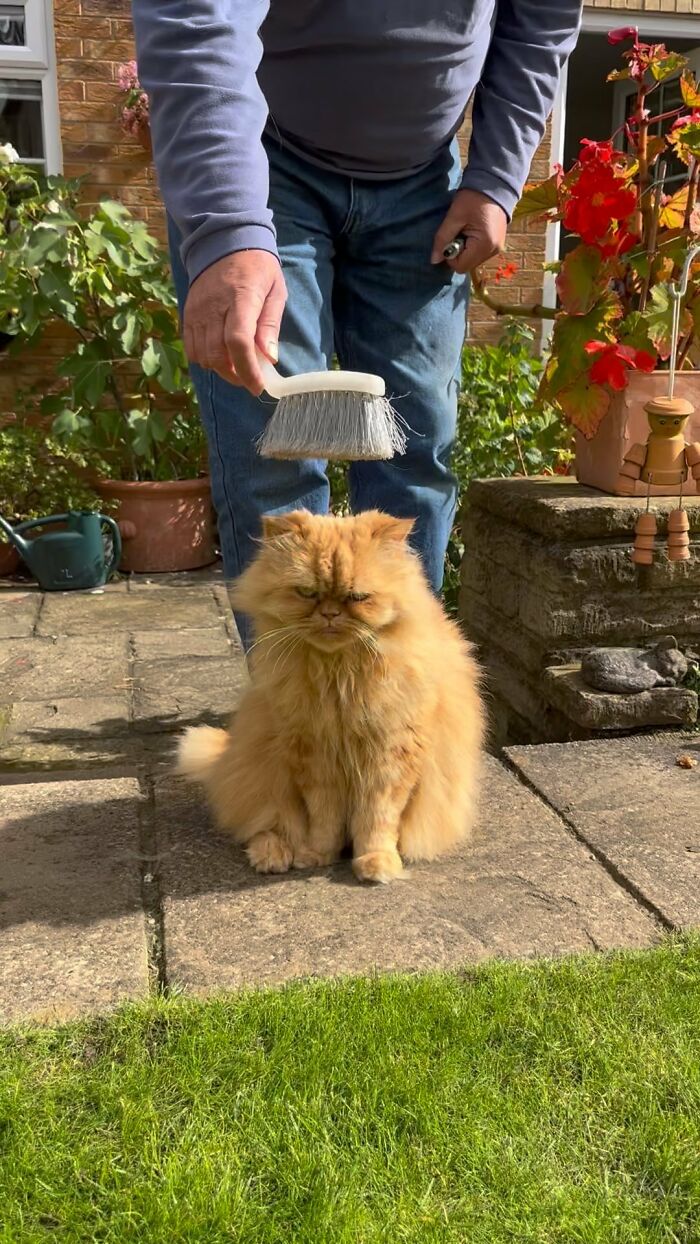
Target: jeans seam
x=229, y=506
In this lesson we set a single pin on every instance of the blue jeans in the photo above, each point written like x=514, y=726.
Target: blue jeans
x=356, y=259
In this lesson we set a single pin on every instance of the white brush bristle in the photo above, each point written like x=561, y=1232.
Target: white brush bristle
x=350, y=427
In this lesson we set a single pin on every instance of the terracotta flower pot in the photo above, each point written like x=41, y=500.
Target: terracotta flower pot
x=598, y=461
x=9, y=559
x=164, y=526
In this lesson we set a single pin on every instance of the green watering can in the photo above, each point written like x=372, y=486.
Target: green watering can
x=68, y=560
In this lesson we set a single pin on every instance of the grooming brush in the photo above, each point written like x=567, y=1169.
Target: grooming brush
x=344, y=415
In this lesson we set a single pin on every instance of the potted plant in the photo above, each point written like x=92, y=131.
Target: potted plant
x=134, y=112
x=611, y=335
x=38, y=477
x=123, y=395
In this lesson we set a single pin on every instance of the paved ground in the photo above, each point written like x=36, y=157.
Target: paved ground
x=112, y=883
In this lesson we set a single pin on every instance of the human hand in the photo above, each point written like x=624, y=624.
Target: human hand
x=233, y=309
x=482, y=221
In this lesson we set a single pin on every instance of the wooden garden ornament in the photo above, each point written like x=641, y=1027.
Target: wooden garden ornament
x=666, y=458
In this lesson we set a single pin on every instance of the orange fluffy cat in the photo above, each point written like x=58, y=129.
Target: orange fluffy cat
x=363, y=723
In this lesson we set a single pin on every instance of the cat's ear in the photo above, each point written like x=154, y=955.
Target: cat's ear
x=666, y=643
x=386, y=527
x=274, y=525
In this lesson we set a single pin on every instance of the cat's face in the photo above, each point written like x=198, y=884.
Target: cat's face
x=334, y=581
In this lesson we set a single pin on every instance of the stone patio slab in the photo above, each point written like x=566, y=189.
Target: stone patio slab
x=18, y=613
x=631, y=801
x=169, y=694
x=72, y=937
x=77, y=613
x=75, y=665
x=200, y=642
x=524, y=887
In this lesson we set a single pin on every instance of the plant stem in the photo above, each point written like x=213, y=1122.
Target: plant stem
x=683, y=354
x=692, y=193
x=536, y=311
x=643, y=207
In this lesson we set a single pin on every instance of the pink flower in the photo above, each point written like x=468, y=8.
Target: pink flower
x=622, y=33
x=128, y=76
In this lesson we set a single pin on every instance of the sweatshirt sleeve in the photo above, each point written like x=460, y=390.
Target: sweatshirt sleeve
x=531, y=42
x=197, y=61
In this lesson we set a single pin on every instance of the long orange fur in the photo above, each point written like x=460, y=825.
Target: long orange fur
x=363, y=722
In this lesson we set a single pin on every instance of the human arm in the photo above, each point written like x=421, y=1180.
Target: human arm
x=197, y=61
x=531, y=42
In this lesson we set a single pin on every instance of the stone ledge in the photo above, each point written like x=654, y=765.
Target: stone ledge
x=558, y=508
x=598, y=710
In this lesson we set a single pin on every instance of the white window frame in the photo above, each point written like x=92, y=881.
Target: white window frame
x=36, y=61
x=663, y=27
x=33, y=52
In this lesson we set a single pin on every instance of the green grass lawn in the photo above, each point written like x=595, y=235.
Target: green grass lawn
x=545, y=1102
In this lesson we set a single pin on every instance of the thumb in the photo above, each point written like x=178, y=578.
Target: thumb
x=268, y=329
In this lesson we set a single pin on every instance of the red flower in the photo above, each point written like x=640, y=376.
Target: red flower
x=602, y=152
x=622, y=33
x=614, y=361
x=619, y=244
x=596, y=202
x=505, y=272
x=690, y=118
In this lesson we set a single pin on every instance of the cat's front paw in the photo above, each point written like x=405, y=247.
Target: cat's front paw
x=379, y=866
x=268, y=853
x=306, y=857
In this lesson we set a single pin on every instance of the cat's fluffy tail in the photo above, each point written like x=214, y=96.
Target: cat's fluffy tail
x=198, y=751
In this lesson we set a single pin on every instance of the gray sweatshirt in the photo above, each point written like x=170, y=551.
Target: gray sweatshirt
x=369, y=88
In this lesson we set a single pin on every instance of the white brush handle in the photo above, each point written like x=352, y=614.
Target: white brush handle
x=319, y=382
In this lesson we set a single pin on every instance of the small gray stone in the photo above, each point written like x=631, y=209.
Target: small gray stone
x=601, y=710
x=75, y=613
x=70, y=909
x=18, y=612
x=629, y=799
x=169, y=694
x=523, y=887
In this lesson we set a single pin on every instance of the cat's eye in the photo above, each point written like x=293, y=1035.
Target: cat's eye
x=358, y=596
x=307, y=593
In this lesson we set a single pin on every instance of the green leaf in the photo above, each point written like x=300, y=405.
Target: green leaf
x=157, y=426
x=571, y=332
x=659, y=317
x=150, y=359
x=582, y=279
x=619, y=75
x=666, y=66
x=131, y=333
x=67, y=423
x=584, y=405
x=538, y=199
x=41, y=241
x=634, y=331
x=689, y=90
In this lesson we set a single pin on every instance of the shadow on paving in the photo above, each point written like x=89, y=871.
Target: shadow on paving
x=59, y=865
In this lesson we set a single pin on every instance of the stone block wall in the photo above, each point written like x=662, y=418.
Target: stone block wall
x=547, y=574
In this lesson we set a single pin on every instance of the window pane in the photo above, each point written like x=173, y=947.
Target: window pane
x=13, y=28
x=20, y=117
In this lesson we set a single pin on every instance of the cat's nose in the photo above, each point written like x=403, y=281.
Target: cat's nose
x=329, y=609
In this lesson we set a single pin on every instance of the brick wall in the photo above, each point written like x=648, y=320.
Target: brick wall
x=93, y=37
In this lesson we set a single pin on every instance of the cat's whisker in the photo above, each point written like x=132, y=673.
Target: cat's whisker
x=276, y=630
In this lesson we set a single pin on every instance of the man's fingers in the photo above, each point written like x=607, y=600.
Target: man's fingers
x=450, y=227
x=268, y=330
x=476, y=251
x=239, y=336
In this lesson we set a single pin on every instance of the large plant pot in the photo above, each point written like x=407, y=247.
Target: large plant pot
x=9, y=559
x=164, y=526
x=598, y=461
